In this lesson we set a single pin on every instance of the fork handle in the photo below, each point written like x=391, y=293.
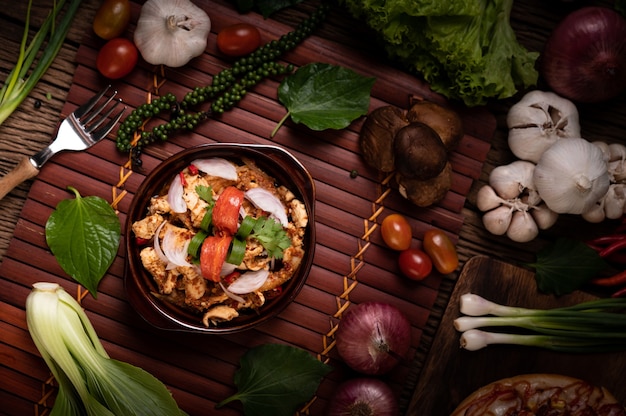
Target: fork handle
x=22, y=172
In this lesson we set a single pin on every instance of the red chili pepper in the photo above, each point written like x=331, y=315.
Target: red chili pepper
x=613, y=248
x=141, y=241
x=226, y=210
x=193, y=170
x=212, y=256
x=614, y=280
x=606, y=240
x=621, y=292
x=231, y=277
x=181, y=175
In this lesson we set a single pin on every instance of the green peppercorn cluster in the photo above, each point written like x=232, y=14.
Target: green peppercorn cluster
x=227, y=88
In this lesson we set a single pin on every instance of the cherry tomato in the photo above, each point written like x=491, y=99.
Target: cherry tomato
x=415, y=264
x=112, y=18
x=396, y=232
x=239, y=39
x=441, y=250
x=117, y=58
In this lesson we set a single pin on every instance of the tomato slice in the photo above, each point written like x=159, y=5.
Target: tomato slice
x=441, y=250
x=226, y=210
x=213, y=255
x=415, y=264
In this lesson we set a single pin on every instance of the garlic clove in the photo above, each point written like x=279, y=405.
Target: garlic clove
x=497, y=220
x=571, y=176
x=523, y=227
x=617, y=152
x=544, y=217
x=487, y=199
x=509, y=181
x=595, y=214
x=615, y=201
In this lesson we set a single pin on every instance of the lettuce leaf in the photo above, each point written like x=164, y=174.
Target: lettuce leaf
x=465, y=49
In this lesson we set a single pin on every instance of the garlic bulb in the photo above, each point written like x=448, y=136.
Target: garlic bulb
x=538, y=121
x=572, y=176
x=509, y=181
x=171, y=32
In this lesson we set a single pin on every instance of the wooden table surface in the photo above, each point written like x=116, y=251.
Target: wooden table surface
x=29, y=129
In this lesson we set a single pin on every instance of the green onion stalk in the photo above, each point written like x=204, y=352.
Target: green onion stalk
x=36, y=57
x=90, y=382
x=593, y=326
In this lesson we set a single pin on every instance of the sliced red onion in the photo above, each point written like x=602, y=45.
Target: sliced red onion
x=175, y=196
x=157, y=244
x=248, y=282
x=268, y=202
x=217, y=166
x=231, y=294
x=227, y=268
x=175, y=252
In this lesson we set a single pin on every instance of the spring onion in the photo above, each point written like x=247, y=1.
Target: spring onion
x=90, y=382
x=35, y=57
x=593, y=326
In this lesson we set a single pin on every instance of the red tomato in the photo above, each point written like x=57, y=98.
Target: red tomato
x=239, y=39
x=415, y=264
x=213, y=255
x=396, y=232
x=441, y=250
x=117, y=58
x=112, y=18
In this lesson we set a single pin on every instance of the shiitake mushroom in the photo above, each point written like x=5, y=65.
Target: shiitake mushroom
x=378, y=134
x=425, y=193
x=445, y=121
x=419, y=152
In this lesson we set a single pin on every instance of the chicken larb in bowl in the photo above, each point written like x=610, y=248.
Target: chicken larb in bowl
x=220, y=238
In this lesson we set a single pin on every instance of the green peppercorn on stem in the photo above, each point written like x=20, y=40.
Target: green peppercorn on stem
x=227, y=88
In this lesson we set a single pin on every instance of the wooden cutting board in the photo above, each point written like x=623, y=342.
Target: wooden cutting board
x=450, y=374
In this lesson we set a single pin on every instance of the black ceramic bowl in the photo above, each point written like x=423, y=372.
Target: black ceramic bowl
x=280, y=164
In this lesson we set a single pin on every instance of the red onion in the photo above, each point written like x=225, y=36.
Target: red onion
x=363, y=396
x=373, y=337
x=584, y=59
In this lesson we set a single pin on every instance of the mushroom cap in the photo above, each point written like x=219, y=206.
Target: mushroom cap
x=378, y=134
x=445, y=121
x=419, y=152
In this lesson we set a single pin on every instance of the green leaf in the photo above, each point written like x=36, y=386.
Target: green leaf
x=323, y=96
x=566, y=265
x=271, y=234
x=275, y=379
x=84, y=236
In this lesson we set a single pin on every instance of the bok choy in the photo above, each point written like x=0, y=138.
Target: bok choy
x=592, y=326
x=36, y=57
x=90, y=382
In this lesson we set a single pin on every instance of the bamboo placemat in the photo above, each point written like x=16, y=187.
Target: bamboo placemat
x=351, y=264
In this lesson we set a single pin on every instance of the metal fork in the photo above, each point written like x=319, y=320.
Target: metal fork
x=79, y=131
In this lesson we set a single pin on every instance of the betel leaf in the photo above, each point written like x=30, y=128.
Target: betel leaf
x=274, y=379
x=84, y=236
x=566, y=265
x=324, y=96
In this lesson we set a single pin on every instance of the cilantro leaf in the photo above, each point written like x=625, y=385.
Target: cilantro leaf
x=206, y=194
x=84, y=236
x=566, y=265
x=323, y=96
x=271, y=234
x=275, y=379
